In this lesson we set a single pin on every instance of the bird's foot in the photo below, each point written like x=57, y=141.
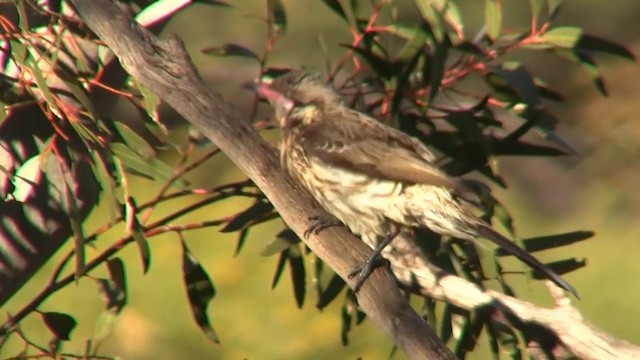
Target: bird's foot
x=362, y=273
x=320, y=223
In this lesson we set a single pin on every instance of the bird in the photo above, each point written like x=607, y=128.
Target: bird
x=374, y=179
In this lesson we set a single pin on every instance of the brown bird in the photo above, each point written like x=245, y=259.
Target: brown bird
x=373, y=178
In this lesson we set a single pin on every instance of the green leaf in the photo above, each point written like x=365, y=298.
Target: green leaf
x=137, y=165
x=242, y=238
x=541, y=243
x=514, y=78
x=108, y=185
x=593, y=43
x=230, y=50
x=298, y=274
x=77, y=90
x=431, y=16
x=284, y=240
x=333, y=289
x=150, y=101
x=114, y=291
x=282, y=261
x=493, y=18
x=26, y=178
x=245, y=218
x=135, y=141
x=588, y=63
x=135, y=230
x=200, y=291
x=560, y=267
x=563, y=37
x=59, y=324
x=434, y=10
x=437, y=66
x=277, y=16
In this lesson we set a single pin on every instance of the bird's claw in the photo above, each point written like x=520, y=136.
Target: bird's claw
x=362, y=273
x=319, y=223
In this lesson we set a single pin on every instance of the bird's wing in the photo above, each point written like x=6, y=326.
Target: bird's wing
x=381, y=154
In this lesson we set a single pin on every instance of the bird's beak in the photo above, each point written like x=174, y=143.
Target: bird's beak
x=266, y=92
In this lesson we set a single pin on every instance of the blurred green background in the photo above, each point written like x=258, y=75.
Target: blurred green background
x=596, y=190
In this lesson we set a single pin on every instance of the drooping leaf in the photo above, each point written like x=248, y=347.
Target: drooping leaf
x=285, y=239
x=561, y=267
x=150, y=101
x=114, y=291
x=437, y=66
x=200, y=291
x=134, y=141
x=151, y=168
x=298, y=274
x=59, y=324
x=282, y=261
x=591, y=43
x=230, y=50
x=243, y=219
x=435, y=10
x=135, y=230
x=107, y=184
x=541, y=243
x=242, y=238
x=333, y=289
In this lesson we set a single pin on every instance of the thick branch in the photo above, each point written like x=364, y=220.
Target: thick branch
x=165, y=67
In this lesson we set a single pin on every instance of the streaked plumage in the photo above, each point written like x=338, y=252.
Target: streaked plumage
x=372, y=177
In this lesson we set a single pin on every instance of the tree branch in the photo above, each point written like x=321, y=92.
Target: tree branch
x=165, y=67
x=568, y=331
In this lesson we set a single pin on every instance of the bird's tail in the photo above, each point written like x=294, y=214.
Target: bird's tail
x=524, y=256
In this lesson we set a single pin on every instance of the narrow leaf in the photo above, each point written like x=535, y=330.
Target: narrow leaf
x=541, y=243
x=336, y=7
x=200, y=291
x=107, y=184
x=277, y=16
x=243, y=219
x=437, y=66
x=135, y=141
x=596, y=44
x=561, y=267
x=135, y=230
x=333, y=289
x=284, y=240
x=298, y=275
x=282, y=261
x=493, y=18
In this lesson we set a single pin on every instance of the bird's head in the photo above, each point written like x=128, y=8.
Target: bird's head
x=297, y=95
